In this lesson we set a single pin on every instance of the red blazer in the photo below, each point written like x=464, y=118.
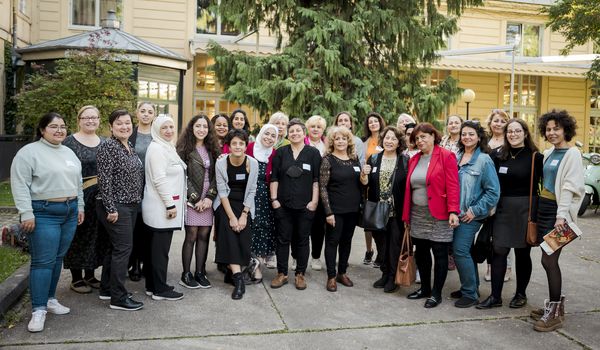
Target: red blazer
x=443, y=189
x=250, y=152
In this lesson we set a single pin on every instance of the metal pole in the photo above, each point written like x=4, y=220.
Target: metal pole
x=512, y=82
x=467, y=110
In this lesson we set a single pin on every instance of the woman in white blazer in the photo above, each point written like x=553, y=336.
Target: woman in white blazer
x=163, y=206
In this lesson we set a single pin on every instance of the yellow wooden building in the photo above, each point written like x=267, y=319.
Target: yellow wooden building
x=186, y=26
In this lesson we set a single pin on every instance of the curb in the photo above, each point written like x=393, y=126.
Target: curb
x=13, y=287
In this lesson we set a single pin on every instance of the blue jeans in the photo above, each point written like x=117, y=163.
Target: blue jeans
x=464, y=235
x=55, y=225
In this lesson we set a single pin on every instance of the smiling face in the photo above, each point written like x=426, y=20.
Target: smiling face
x=453, y=125
x=344, y=120
x=340, y=142
x=238, y=121
x=221, y=127
x=296, y=134
x=469, y=137
x=374, y=125
x=237, y=147
x=200, y=129
x=424, y=142
x=268, y=138
x=497, y=124
x=281, y=124
x=55, y=132
x=390, y=142
x=555, y=134
x=315, y=131
x=89, y=121
x=122, y=127
x=145, y=114
x=407, y=134
x=515, y=135
x=167, y=131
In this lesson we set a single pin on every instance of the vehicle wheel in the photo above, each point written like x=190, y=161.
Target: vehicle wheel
x=584, y=204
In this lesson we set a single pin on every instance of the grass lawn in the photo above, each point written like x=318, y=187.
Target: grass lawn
x=10, y=260
x=6, y=199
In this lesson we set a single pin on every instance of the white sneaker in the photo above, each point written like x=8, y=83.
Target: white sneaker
x=38, y=318
x=294, y=263
x=54, y=307
x=316, y=264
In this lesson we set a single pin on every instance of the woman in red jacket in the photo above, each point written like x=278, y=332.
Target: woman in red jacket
x=431, y=207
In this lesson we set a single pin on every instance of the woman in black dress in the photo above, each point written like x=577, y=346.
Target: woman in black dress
x=90, y=242
x=236, y=185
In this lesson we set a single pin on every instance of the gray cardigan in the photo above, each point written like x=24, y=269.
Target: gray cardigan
x=223, y=183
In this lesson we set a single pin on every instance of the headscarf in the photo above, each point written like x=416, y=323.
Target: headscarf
x=262, y=153
x=167, y=145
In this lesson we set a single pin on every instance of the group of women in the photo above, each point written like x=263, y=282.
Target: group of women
x=294, y=189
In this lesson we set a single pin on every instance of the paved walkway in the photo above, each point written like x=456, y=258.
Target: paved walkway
x=353, y=318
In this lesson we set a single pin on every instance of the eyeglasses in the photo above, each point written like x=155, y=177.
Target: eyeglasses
x=516, y=132
x=57, y=127
x=89, y=118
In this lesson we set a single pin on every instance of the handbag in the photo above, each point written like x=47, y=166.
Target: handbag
x=376, y=215
x=482, y=248
x=406, y=273
x=532, y=234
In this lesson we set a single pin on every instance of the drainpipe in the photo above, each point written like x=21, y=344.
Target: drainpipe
x=13, y=55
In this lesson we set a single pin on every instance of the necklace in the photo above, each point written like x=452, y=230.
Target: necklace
x=515, y=156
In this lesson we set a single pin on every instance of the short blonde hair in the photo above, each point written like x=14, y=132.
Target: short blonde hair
x=491, y=116
x=316, y=120
x=345, y=132
x=277, y=116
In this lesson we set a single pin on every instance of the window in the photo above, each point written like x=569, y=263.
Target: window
x=529, y=37
x=205, y=78
x=23, y=7
x=208, y=23
x=525, y=99
x=160, y=86
x=594, y=141
x=89, y=13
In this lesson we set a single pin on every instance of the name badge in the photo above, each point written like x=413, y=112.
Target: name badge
x=70, y=163
x=503, y=170
x=306, y=166
x=240, y=176
x=554, y=162
x=357, y=169
x=374, y=169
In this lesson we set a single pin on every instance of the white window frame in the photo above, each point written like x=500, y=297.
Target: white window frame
x=83, y=27
x=522, y=24
x=209, y=35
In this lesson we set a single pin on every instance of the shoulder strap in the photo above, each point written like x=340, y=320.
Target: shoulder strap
x=531, y=185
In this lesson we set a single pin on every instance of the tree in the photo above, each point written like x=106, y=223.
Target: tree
x=360, y=56
x=90, y=77
x=579, y=22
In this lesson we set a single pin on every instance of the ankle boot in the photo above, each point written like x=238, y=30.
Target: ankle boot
x=240, y=288
x=538, y=313
x=228, y=277
x=551, y=319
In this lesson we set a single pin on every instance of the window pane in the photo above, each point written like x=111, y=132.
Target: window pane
x=143, y=88
x=114, y=5
x=205, y=79
x=199, y=106
x=512, y=31
x=153, y=90
x=206, y=22
x=172, y=92
x=83, y=13
x=531, y=41
x=163, y=91
x=227, y=28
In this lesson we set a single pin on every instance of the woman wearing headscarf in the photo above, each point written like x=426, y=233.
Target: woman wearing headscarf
x=163, y=205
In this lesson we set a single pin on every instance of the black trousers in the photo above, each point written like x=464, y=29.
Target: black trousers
x=339, y=237
x=141, y=244
x=389, y=243
x=424, y=247
x=114, y=270
x=293, y=227
x=155, y=268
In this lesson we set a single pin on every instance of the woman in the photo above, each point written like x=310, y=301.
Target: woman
x=345, y=119
x=479, y=194
x=562, y=193
x=451, y=140
x=513, y=166
x=239, y=120
x=340, y=189
x=199, y=149
x=263, y=227
x=162, y=206
x=374, y=123
x=222, y=125
x=88, y=246
x=385, y=176
x=403, y=120
x=236, y=184
x=411, y=148
x=140, y=139
x=316, y=126
x=49, y=197
x=280, y=120
x=294, y=197
x=120, y=186
x=431, y=207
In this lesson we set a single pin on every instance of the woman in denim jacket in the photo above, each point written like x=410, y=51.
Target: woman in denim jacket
x=479, y=194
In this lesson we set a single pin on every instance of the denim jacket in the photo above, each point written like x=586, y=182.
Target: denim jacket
x=479, y=185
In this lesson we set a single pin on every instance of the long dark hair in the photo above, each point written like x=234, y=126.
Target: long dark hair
x=246, y=127
x=483, y=138
x=186, y=143
x=504, y=152
x=366, y=131
x=45, y=120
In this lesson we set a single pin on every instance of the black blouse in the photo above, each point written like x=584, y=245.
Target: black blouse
x=514, y=174
x=339, y=185
x=295, y=176
x=120, y=175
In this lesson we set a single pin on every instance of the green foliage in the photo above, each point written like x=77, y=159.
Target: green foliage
x=10, y=260
x=90, y=77
x=6, y=198
x=358, y=56
x=579, y=22
x=10, y=106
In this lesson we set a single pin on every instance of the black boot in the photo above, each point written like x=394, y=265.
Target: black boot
x=135, y=273
x=380, y=283
x=229, y=277
x=240, y=288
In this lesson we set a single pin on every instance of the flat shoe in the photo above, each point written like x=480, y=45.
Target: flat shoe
x=417, y=295
x=432, y=302
x=518, y=301
x=81, y=287
x=457, y=294
x=489, y=303
x=93, y=282
x=465, y=302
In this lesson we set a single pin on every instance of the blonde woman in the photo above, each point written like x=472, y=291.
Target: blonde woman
x=496, y=123
x=280, y=120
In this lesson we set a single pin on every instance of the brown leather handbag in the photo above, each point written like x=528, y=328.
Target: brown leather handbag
x=406, y=273
x=532, y=234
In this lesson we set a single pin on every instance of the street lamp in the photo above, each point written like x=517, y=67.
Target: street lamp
x=468, y=96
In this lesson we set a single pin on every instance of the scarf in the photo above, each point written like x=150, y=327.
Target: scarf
x=167, y=145
x=262, y=153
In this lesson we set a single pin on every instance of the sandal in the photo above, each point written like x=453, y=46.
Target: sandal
x=81, y=287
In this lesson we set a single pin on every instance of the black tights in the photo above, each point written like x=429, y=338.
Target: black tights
x=78, y=276
x=195, y=236
x=550, y=264
x=522, y=267
x=440, y=269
